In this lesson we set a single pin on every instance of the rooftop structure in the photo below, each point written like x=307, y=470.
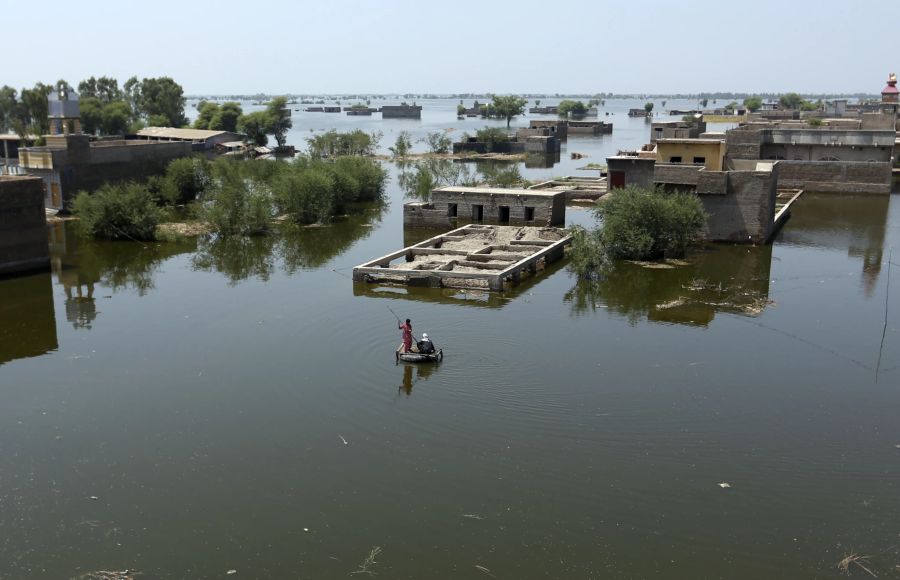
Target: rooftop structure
x=63, y=111
x=708, y=153
x=890, y=93
x=200, y=139
x=474, y=256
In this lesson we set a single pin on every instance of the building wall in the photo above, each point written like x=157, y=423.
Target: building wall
x=23, y=225
x=549, y=210
x=400, y=112
x=712, y=153
x=836, y=177
x=740, y=204
x=624, y=171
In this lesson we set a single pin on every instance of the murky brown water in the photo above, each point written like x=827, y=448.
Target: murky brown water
x=203, y=394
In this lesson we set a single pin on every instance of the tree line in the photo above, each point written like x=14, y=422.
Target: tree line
x=107, y=108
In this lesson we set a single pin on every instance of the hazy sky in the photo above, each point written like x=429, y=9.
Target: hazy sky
x=391, y=46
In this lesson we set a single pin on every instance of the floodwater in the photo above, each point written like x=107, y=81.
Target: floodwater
x=185, y=410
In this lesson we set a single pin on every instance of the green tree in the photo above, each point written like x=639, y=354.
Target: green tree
x=402, y=145
x=206, y=111
x=116, y=117
x=118, y=211
x=460, y=110
x=253, y=125
x=226, y=117
x=8, y=106
x=91, y=111
x=507, y=107
x=569, y=107
x=790, y=101
x=648, y=106
x=163, y=97
x=753, y=104
x=106, y=89
x=278, y=120
x=34, y=109
x=438, y=142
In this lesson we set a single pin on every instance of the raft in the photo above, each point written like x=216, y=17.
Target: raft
x=420, y=357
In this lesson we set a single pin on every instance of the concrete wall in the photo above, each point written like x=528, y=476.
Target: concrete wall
x=836, y=176
x=548, y=209
x=23, y=225
x=559, y=128
x=740, y=204
x=712, y=152
x=743, y=143
x=85, y=166
x=400, y=112
x=673, y=174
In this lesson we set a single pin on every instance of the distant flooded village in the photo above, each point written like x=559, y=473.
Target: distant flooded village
x=261, y=324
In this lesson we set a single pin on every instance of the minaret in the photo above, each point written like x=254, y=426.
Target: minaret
x=65, y=115
x=891, y=92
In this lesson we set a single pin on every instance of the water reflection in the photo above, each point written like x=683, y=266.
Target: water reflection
x=541, y=160
x=422, y=372
x=80, y=264
x=27, y=317
x=293, y=249
x=855, y=223
x=732, y=279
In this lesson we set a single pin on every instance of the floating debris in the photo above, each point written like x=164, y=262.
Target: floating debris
x=368, y=562
x=94, y=497
x=231, y=572
x=344, y=440
x=484, y=570
x=854, y=558
x=473, y=516
x=724, y=485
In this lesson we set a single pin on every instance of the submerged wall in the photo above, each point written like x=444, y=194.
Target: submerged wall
x=23, y=225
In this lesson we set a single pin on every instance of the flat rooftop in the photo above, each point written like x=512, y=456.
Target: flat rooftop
x=685, y=141
x=495, y=191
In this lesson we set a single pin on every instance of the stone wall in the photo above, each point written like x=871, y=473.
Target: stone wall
x=23, y=225
x=836, y=176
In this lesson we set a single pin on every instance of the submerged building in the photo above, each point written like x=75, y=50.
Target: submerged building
x=452, y=206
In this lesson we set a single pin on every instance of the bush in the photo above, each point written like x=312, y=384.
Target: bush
x=118, y=211
x=491, y=136
x=334, y=144
x=308, y=196
x=438, y=142
x=235, y=204
x=575, y=108
x=639, y=224
x=185, y=180
x=402, y=145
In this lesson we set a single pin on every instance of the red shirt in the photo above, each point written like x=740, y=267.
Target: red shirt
x=407, y=334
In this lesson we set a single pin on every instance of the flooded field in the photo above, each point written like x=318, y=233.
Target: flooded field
x=189, y=409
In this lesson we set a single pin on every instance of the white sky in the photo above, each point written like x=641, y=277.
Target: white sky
x=396, y=46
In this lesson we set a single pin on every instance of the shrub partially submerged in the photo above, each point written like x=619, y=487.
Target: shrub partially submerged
x=638, y=224
x=118, y=211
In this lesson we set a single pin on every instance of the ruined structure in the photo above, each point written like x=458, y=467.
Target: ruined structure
x=402, y=111
x=577, y=127
x=23, y=225
x=677, y=130
x=450, y=206
x=474, y=256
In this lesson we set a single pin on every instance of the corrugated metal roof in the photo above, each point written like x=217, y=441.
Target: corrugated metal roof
x=175, y=133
